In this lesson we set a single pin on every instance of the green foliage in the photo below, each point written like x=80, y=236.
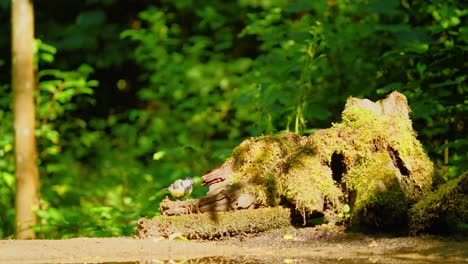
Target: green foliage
x=92, y=31
x=7, y=164
x=313, y=55
x=433, y=75
x=191, y=84
x=284, y=83
x=58, y=93
x=184, y=82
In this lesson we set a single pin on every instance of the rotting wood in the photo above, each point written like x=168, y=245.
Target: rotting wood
x=222, y=195
x=370, y=162
x=215, y=225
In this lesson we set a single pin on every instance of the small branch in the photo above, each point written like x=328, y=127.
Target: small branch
x=52, y=101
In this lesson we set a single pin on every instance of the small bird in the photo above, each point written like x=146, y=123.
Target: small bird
x=180, y=188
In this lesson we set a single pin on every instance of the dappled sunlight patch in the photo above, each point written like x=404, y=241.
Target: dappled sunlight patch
x=258, y=162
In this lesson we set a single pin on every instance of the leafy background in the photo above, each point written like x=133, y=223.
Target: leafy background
x=132, y=95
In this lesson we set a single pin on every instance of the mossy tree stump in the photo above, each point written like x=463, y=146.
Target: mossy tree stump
x=370, y=162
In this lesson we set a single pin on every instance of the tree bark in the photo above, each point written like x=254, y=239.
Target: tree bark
x=27, y=175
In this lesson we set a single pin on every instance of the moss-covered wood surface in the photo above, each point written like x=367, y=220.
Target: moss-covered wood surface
x=444, y=210
x=365, y=171
x=214, y=225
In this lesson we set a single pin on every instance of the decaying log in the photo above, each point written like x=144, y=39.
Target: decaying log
x=222, y=195
x=444, y=210
x=366, y=170
x=214, y=225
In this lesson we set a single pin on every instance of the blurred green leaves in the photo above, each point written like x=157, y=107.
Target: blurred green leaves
x=201, y=77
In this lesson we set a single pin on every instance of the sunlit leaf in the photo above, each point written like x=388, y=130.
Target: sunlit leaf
x=159, y=155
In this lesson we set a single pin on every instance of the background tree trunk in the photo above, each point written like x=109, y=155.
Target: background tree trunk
x=27, y=175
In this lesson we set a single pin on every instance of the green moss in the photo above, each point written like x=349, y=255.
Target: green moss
x=215, y=225
x=259, y=161
x=388, y=168
x=326, y=142
x=272, y=168
x=309, y=185
x=380, y=166
x=363, y=133
x=357, y=117
x=376, y=197
x=445, y=210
